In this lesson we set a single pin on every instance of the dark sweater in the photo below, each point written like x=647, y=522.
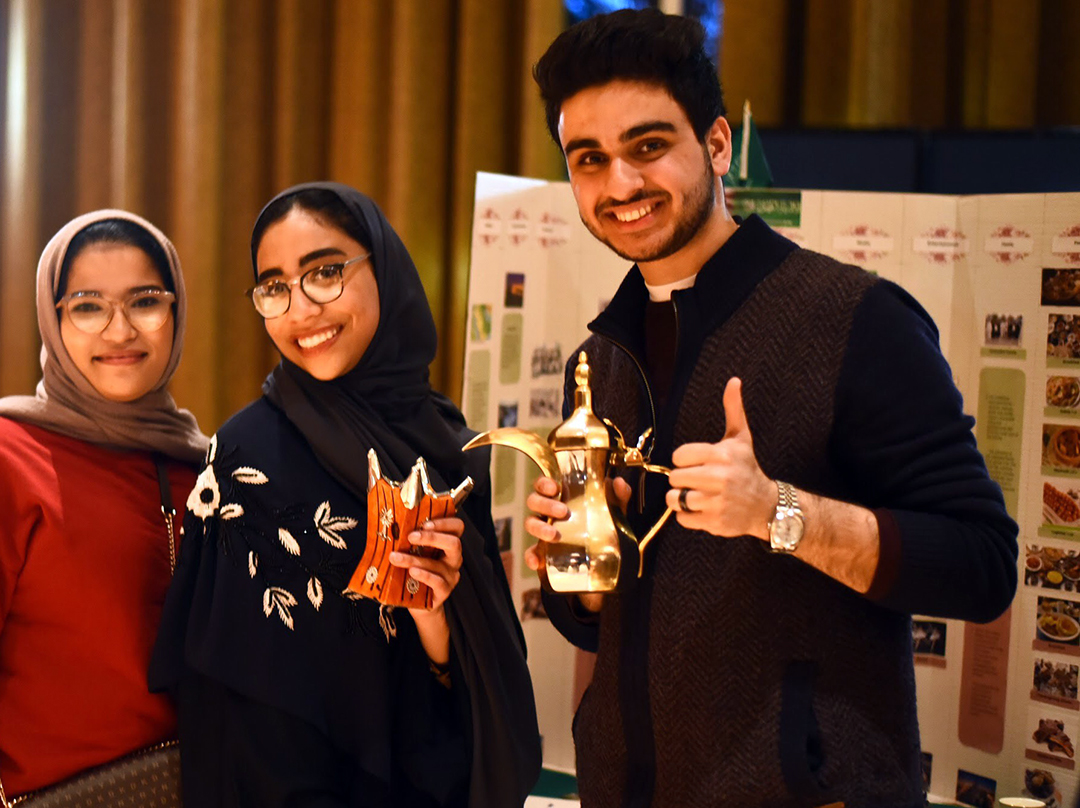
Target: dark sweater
x=733, y=676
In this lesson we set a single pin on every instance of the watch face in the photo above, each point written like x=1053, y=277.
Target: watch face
x=786, y=531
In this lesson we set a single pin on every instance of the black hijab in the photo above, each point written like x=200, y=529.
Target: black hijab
x=386, y=402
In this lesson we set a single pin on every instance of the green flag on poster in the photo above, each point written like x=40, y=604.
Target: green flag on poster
x=749, y=168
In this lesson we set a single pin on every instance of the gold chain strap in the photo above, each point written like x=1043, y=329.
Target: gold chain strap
x=172, y=541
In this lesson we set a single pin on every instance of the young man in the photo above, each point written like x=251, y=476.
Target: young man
x=826, y=479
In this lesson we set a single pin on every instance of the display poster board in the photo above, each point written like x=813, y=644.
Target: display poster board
x=999, y=707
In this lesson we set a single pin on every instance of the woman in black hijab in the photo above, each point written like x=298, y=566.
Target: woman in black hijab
x=290, y=690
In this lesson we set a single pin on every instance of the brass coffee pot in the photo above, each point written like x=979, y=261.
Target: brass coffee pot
x=597, y=550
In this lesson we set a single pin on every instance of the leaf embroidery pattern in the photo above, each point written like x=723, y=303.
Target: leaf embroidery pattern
x=314, y=592
x=329, y=526
x=280, y=599
x=237, y=509
x=246, y=474
x=231, y=510
x=288, y=542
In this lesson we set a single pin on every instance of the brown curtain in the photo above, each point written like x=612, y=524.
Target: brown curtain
x=194, y=112
x=961, y=64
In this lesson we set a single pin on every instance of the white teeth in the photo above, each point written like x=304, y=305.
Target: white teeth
x=634, y=215
x=308, y=343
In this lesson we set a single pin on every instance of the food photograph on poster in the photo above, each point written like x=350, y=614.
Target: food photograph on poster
x=1063, y=393
x=1063, y=340
x=1052, y=738
x=1058, y=623
x=1060, y=287
x=1052, y=567
x=1042, y=784
x=1056, y=680
x=1061, y=449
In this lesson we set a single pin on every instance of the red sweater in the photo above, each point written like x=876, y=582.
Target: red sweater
x=84, y=565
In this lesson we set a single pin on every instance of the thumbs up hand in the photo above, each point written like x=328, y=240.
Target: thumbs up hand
x=726, y=492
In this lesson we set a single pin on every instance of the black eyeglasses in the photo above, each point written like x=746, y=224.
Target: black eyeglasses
x=322, y=284
x=146, y=310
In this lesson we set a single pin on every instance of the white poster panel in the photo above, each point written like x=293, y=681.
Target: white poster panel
x=998, y=705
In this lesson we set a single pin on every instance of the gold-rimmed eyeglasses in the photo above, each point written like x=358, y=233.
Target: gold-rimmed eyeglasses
x=146, y=310
x=321, y=284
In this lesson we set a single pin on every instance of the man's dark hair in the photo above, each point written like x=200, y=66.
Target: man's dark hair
x=645, y=45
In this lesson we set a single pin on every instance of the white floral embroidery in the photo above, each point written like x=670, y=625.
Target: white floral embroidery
x=277, y=598
x=253, y=563
x=231, y=511
x=205, y=497
x=246, y=474
x=329, y=526
x=314, y=592
x=211, y=450
x=287, y=541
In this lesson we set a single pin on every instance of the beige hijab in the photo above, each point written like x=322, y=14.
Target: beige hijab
x=67, y=403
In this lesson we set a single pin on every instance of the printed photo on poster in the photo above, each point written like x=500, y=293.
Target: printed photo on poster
x=508, y=413
x=928, y=641
x=480, y=323
x=1002, y=329
x=515, y=290
x=1063, y=339
x=1060, y=287
x=1041, y=784
x=1055, y=683
x=1063, y=394
x=532, y=606
x=545, y=404
x=1053, y=567
x=974, y=789
x=503, y=529
x=547, y=360
x=1058, y=623
x=1061, y=449
x=1050, y=739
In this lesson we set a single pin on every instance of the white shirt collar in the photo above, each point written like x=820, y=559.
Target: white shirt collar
x=662, y=292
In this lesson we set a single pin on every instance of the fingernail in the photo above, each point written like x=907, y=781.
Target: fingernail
x=395, y=556
x=414, y=536
x=429, y=525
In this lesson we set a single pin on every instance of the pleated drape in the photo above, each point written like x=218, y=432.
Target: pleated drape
x=963, y=64
x=194, y=112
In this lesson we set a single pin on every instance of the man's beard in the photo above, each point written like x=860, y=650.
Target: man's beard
x=699, y=207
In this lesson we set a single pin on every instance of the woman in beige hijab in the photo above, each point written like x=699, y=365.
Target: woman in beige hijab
x=94, y=472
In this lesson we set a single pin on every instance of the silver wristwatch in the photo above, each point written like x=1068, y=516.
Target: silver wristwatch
x=787, y=525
